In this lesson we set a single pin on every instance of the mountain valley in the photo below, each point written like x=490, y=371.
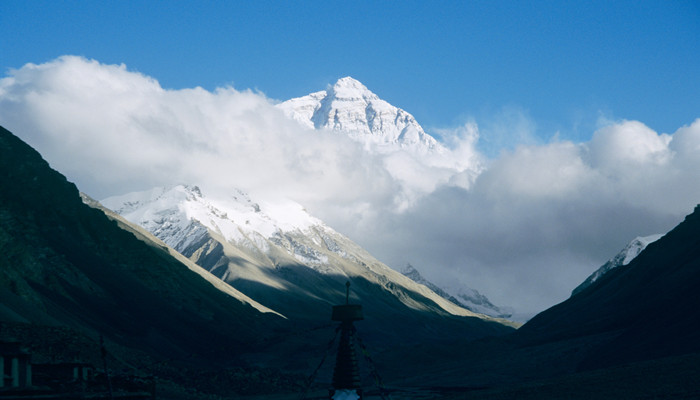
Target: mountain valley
x=280, y=256
x=92, y=274
x=215, y=292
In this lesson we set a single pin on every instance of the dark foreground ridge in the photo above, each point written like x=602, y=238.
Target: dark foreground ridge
x=69, y=275
x=635, y=333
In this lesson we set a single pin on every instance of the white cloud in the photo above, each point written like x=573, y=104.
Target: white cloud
x=524, y=227
x=541, y=218
x=628, y=146
x=112, y=130
x=507, y=128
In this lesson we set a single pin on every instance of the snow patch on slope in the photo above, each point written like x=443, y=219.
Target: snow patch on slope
x=624, y=257
x=145, y=236
x=182, y=216
x=465, y=297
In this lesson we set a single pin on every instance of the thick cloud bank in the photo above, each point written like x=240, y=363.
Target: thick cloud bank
x=524, y=230
x=113, y=131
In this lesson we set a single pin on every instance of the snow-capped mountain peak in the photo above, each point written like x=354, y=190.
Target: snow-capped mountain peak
x=632, y=250
x=181, y=215
x=348, y=106
x=349, y=88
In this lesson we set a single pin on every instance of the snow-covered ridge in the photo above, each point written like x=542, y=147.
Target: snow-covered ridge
x=465, y=297
x=237, y=238
x=350, y=107
x=181, y=216
x=624, y=257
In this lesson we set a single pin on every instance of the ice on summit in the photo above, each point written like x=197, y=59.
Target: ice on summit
x=350, y=107
x=414, y=158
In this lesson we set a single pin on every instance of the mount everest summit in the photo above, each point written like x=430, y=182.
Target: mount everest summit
x=349, y=107
x=411, y=156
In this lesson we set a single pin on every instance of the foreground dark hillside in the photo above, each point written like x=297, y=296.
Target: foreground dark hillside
x=635, y=333
x=64, y=265
x=650, y=307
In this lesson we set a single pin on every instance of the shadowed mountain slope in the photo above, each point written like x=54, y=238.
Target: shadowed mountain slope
x=634, y=333
x=66, y=264
x=649, y=307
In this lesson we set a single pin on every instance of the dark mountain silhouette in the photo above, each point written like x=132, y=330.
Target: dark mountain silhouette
x=649, y=308
x=65, y=267
x=634, y=333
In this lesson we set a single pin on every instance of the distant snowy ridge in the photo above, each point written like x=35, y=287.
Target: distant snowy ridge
x=465, y=297
x=624, y=257
x=348, y=106
x=182, y=215
x=239, y=239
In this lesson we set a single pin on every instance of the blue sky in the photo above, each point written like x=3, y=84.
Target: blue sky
x=616, y=82
x=560, y=66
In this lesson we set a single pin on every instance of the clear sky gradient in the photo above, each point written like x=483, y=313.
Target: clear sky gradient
x=561, y=65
